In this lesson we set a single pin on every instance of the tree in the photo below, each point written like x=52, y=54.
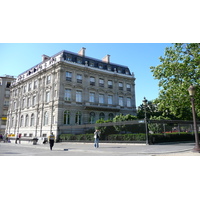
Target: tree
x=179, y=68
x=151, y=110
x=119, y=118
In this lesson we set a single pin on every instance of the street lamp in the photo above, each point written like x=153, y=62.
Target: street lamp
x=145, y=112
x=191, y=91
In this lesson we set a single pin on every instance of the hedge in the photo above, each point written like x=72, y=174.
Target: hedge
x=137, y=137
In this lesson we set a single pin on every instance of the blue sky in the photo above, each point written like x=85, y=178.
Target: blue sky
x=18, y=57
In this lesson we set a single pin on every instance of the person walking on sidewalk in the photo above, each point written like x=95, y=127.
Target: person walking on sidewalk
x=96, y=138
x=51, y=140
x=17, y=138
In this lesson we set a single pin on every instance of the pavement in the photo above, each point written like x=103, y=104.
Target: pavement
x=105, y=149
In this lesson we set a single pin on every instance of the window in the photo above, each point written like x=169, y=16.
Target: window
x=29, y=86
x=110, y=99
x=67, y=117
x=48, y=79
x=35, y=84
x=28, y=102
x=109, y=68
x=6, y=103
x=78, y=96
x=128, y=87
x=110, y=116
x=100, y=66
x=34, y=101
x=7, y=93
x=91, y=98
x=92, y=118
x=26, y=120
x=92, y=80
x=120, y=86
x=101, y=98
x=32, y=120
x=121, y=101
x=101, y=116
x=47, y=98
x=23, y=103
x=0, y=81
x=79, y=78
x=119, y=70
x=91, y=64
x=78, y=118
x=69, y=58
x=101, y=82
x=127, y=71
x=45, y=118
x=24, y=88
x=8, y=84
x=14, y=105
x=79, y=60
x=128, y=102
x=67, y=94
x=110, y=84
x=68, y=76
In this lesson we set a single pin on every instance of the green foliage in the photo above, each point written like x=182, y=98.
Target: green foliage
x=157, y=127
x=170, y=137
x=179, y=68
x=72, y=137
x=119, y=118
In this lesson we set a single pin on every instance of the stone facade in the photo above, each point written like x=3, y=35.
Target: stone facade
x=69, y=89
x=5, y=83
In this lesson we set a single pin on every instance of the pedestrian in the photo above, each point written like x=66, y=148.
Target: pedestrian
x=17, y=138
x=20, y=135
x=51, y=140
x=96, y=138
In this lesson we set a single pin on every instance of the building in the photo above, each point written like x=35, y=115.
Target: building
x=5, y=83
x=69, y=89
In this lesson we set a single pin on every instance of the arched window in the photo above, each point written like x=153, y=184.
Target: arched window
x=67, y=117
x=45, y=118
x=32, y=120
x=92, y=118
x=78, y=118
x=101, y=116
x=110, y=116
x=21, y=121
x=26, y=120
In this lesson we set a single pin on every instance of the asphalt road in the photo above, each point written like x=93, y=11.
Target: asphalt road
x=87, y=149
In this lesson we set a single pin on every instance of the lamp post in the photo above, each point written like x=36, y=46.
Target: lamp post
x=191, y=91
x=145, y=112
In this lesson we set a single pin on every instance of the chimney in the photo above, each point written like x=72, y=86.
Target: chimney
x=45, y=57
x=82, y=51
x=106, y=59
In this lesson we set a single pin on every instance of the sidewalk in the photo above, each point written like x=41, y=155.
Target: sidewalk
x=106, y=149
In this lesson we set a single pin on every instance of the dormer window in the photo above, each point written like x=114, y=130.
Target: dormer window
x=127, y=72
x=109, y=68
x=91, y=64
x=119, y=70
x=79, y=60
x=69, y=58
x=100, y=66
